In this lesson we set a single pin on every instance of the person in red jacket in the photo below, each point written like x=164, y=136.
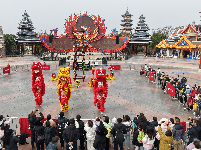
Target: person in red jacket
x=191, y=99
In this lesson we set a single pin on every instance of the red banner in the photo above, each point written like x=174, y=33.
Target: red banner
x=170, y=89
x=152, y=76
x=45, y=67
x=25, y=126
x=6, y=70
x=114, y=67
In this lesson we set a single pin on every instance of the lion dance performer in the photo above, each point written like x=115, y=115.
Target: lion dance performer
x=100, y=89
x=38, y=85
x=64, y=85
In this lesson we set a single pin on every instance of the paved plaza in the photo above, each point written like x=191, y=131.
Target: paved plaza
x=129, y=94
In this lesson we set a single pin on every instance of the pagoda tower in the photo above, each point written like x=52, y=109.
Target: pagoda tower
x=2, y=45
x=126, y=23
x=141, y=37
x=26, y=36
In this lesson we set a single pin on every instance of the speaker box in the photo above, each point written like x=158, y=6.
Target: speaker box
x=117, y=39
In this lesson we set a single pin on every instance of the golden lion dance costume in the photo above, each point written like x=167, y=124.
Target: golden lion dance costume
x=64, y=85
x=100, y=89
x=38, y=85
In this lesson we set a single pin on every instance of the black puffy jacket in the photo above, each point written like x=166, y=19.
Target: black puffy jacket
x=71, y=134
x=49, y=133
x=100, y=138
x=193, y=132
x=39, y=131
x=13, y=143
x=61, y=122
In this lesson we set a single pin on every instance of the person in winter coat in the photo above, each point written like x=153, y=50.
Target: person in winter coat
x=71, y=135
x=141, y=119
x=119, y=127
x=148, y=140
x=3, y=123
x=32, y=118
x=135, y=137
x=177, y=132
x=154, y=122
x=100, y=138
x=108, y=125
x=90, y=134
x=165, y=138
x=50, y=132
x=39, y=134
x=11, y=140
x=97, y=122
x=171, y=124
x=52, y=123
x=81, y=130
x=190, y=146
x=128, y=124
x=190, y=100
x=61, y=122
x=1, y=135
x=194, y=130
x=53, y=144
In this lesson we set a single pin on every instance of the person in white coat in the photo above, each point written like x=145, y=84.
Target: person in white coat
x=90, y=129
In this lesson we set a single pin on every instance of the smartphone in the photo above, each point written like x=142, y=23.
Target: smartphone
x=36, y=109
x=14, y=132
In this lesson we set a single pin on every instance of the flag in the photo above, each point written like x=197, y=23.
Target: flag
x=151, y=76
x=6, y=70
x=170, y=89
x=45, y=67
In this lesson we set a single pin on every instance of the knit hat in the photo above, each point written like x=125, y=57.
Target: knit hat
x=55, y=139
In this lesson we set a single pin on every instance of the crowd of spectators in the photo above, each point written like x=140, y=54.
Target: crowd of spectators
x=104, y=133
x=189, y=97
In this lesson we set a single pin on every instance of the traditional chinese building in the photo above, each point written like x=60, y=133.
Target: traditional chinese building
x=184, y=42
x=126, y=23
x=141, y=37
x=26, y=36
x=2, y=45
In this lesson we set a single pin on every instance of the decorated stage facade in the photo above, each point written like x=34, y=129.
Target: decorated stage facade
x=84, y=31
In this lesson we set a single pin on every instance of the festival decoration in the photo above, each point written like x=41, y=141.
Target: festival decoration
x=114, y=32
x=53, y=77
x=92, y=82
x=89, y=35
x=112, y=75
x=93, y=70
x=64, y=85
x=77, y=83
x=107, y=76
x=55, y=31
x=100, y=89
x=38, y=85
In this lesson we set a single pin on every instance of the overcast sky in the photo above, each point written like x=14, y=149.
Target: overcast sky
x=49, y=14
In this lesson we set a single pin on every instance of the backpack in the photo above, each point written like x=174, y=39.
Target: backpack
x=119, y=138
x=23, y=139
x=140, y=136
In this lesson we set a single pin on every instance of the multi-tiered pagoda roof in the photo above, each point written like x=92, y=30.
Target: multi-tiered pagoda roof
x=26, y=33
x=141, y=35
x=127, y=23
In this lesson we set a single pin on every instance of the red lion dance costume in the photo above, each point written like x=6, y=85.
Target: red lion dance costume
x=64, y=85
x=100, y=89
x=38, y=85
